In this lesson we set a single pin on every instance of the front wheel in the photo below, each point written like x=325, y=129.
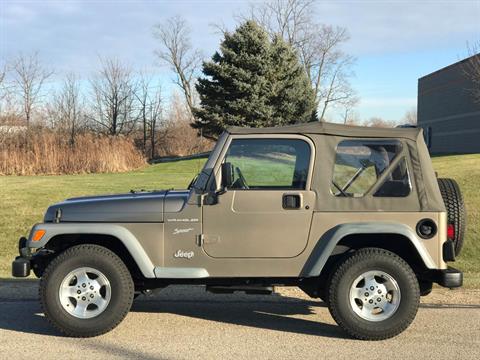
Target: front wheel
x=373, y=294
x=86, y=291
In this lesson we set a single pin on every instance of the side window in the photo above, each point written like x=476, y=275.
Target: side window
x=397, y=183
x=269, y=163
x=359, y=164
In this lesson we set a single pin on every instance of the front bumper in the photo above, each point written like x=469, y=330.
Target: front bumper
x=21, y=266
x=450, y=278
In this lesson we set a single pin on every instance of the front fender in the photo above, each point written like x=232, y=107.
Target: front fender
x=122, y=234
x=325, y=246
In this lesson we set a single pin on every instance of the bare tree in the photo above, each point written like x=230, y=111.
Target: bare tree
x=318, y=46
x=154, y=111
x=3, y=86
x=142, y=96
x=337, y=90
x=114, y=88
x=379, y=122
x=289, y=19
x=410, y=116
x=150, y=108
x=349, y=116
x=28, y=77
x=177, y=137
x=177, y=51
x=472, y=70
x=3, y=74
x=69, y=107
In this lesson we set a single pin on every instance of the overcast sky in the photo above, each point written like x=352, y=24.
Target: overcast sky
x=395, y=42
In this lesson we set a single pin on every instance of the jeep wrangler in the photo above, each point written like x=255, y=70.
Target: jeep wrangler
x=354, y=216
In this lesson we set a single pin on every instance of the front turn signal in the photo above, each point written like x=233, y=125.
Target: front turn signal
x=38, y=235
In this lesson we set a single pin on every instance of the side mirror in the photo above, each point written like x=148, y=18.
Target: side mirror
x=227, y=175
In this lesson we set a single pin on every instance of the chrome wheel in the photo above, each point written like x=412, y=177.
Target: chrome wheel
x=85, y=293
x=375, y=296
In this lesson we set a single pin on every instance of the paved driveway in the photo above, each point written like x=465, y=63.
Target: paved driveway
x=187, y=323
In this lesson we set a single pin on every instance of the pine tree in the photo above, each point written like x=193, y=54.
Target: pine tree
x=254, y=82
x=292, y=98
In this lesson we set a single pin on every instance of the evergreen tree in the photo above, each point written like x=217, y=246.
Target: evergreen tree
x=254, y=82
x=292, y=97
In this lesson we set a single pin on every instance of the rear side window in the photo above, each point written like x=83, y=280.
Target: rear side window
x=360, y=163
x=269, y=163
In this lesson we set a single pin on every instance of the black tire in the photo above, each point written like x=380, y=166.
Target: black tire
x=96, y=257
x=456, y=214
x=356, y=264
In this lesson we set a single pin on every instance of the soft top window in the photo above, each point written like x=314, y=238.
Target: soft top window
x=360, y=163
x=277, y=163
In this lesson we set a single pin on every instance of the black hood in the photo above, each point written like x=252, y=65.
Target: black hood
x=130, y=207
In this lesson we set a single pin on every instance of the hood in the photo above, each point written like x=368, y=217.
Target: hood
x=130, y=207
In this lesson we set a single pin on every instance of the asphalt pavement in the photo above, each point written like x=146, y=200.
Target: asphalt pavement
x=187, y=323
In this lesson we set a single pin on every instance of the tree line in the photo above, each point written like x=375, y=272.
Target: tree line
x=279, y=66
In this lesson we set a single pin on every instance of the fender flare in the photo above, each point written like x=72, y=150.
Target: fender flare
x=122, y=234
x=325, y=246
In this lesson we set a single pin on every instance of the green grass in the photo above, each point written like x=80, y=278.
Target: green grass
x=24, y=199
x=465, y=169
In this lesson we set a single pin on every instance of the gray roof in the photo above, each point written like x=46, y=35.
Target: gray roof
x=331, y=129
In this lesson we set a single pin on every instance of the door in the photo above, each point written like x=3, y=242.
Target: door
x=267, y=211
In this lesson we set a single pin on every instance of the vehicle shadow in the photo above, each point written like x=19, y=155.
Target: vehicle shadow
x=282, y=314
x=24, y=316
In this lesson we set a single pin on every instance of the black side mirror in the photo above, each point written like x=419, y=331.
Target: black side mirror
x=227, y=175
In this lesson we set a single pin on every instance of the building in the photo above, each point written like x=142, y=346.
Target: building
x=448, y=111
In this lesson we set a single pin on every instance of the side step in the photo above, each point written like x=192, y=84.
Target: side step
x=247, y=289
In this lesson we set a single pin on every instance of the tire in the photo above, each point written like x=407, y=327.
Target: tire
x=400, y=312
x=456, y=215
x=113, y=282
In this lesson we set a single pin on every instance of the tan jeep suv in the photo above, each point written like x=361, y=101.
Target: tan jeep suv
x=355, y=216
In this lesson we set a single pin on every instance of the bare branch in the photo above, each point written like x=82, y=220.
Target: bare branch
x=3, y=84
x=410, y=116
x=150, y=109
x=3, y=73
x=176, y=51
x=318, y=46
x=114, y=90
x=68, y=107
x=28, y=80
x=379, y=122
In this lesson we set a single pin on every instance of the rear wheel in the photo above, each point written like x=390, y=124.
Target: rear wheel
x=373, y=294
x=456, y=216
x=86, y=291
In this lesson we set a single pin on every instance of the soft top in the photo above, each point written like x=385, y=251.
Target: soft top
x=320, y=127
x=425, y=194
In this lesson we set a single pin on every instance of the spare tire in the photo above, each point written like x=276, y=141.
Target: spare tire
x=456, y=215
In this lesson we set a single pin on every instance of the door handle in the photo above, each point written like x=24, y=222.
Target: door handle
x=291, y=201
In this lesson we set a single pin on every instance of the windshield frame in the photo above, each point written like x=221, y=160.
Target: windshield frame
x=203, y=177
